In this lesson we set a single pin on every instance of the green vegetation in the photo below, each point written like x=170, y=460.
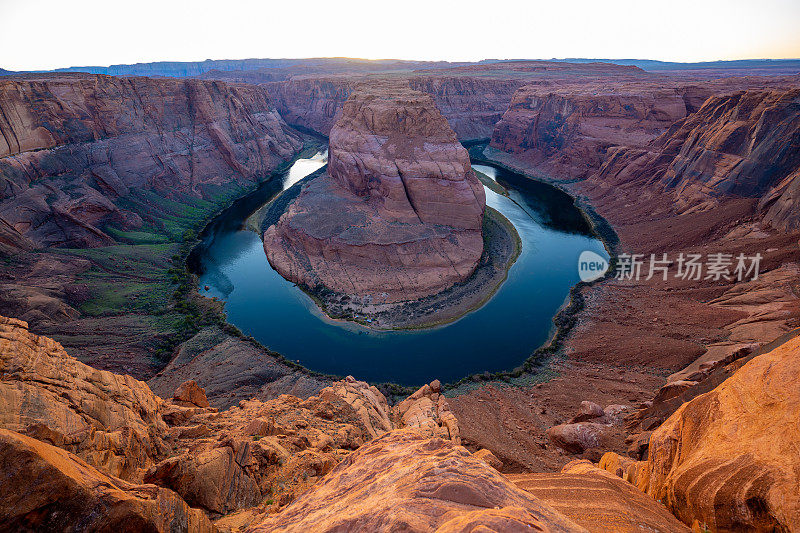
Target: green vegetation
x=136, y=237
x=125, y=278
x=142, y=285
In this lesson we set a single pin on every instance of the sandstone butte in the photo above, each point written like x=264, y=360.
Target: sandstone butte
x=399, y=214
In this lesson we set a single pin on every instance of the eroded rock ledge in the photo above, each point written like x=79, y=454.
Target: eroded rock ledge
x=399, y=214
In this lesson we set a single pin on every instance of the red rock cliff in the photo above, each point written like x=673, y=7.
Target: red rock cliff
x=399, y=214
x=745, y=144
x=471, y=104
x=71, y=147
x=566, y=132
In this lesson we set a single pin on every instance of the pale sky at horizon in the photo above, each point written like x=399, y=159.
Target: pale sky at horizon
x=46, y=34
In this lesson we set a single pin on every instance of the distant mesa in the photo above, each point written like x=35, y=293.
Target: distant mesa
x=398, y=216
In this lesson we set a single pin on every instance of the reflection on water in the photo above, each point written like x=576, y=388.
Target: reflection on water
x=498, y=336
x=304, y=167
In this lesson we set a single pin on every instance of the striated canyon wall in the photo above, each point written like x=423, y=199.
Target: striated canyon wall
x=740, y=145
x=567, y=132
x=79, y=153
x=471, y=105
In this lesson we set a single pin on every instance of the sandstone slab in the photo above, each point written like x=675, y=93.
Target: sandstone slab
x=44, y=488
x=403, y=480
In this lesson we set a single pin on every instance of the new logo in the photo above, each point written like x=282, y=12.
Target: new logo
x=591, y=266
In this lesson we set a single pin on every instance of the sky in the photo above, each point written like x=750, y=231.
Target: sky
x=45, y=34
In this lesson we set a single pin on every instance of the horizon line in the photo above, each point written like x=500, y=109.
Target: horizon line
x=486, y=59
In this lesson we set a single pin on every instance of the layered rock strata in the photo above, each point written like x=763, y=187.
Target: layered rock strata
x=405, y=481
x=399, y=214
x=78, y=153
x=45, y=488
x=724, y=460
x=745, y=144
x=597, y=500
x=471, y=105
x=566, y=132
x=111, y=421
x=734, y=445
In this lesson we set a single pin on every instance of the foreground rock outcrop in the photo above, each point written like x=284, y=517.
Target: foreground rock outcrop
x=106, y=451
x=726, y=460
x=597, y=500
x=234, y=465
x=728, y=457
x=404, y=481
x=397, y=217
x=44, y=488
x=112, y=422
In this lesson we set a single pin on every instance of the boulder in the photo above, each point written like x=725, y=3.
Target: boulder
x=213, y=480
x=189, y=392
x=427, y=411
x=588, y=411
x=489, y=458
x=367, y=401
x=579, y=437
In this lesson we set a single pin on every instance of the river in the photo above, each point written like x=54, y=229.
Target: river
x=500, y=335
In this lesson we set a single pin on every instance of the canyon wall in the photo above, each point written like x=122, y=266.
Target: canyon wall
x=312, y=102
x=566, y=128
x=79, y=153
x=471, y=105
x=399, y=214
x=740, y=145
x=567, y=132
